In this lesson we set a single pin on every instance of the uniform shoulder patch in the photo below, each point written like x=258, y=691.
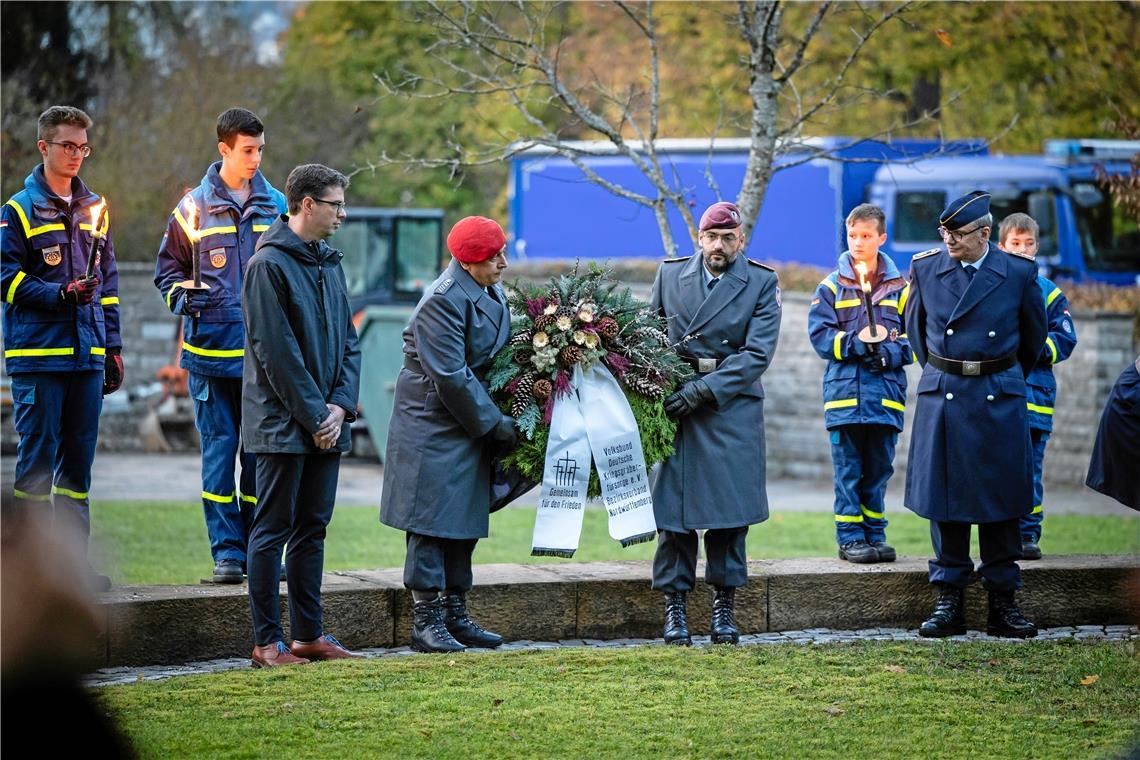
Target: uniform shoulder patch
x=762, y=266
x=924, y=254
x=1021, y=255
x=444, y=286
x=676, y=259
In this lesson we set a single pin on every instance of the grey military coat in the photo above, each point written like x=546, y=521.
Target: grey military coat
x=437, y=469
x=716, y=477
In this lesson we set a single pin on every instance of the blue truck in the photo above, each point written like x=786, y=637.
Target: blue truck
x=555, y=212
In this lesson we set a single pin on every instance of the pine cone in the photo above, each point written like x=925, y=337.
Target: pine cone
x=544, y=321
x=522, y=395
x=570, y=355
x=608, y=328
x=521, y=337
x=542, y=389
x=644, y=386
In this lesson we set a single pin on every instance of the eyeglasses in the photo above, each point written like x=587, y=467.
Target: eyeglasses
x=339, y=204
x=72, y=149
x=956, y=236
x=728, y=239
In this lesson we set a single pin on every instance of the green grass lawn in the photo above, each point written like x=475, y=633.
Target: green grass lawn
x=865, y=700
x=165, y=542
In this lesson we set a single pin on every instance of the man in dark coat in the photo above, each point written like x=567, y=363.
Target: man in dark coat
x=1112, y=469
x=976, y=322
x=301, y=382
x=445, y=428
x=724, y=318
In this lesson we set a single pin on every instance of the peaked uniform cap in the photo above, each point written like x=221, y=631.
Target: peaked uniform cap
x=962, y=211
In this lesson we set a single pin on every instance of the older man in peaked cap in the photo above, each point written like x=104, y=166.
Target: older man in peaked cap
x=976, y=322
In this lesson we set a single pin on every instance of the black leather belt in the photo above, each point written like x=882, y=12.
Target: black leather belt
x=412, y=365
x=703, y=366
x=972, y=369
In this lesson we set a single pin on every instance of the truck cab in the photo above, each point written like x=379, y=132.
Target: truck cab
x=1085, y=234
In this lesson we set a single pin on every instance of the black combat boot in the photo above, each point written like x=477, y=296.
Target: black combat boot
x=465, y=630
x=429, y=632
x=885, y=551
x=676, y=622
x=859, y=552
x=1029, y=548
x=723, y=625
x=1005, y=619
x=949, y=616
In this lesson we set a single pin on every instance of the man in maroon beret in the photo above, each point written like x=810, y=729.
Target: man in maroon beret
x=724, y=315
x=444, y=431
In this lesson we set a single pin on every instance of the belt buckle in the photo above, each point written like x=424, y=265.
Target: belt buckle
x=971, y=368
x=706, y=365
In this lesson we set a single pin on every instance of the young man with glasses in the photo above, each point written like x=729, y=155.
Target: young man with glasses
x=976, y=323
x=61, y=327
x=299, y=394
x=219, y=223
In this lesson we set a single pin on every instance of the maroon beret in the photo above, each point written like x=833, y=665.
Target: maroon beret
x=475, y=238
x=720, y=216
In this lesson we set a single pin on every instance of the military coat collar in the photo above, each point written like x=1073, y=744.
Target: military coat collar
x=699, y=304
x=969, y=292
x=496, y=311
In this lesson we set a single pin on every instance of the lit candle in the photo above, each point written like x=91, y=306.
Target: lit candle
x=98, y=211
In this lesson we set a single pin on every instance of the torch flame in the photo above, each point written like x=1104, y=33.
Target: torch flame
x=191, y=214
x=861, y=268
x=96, y=215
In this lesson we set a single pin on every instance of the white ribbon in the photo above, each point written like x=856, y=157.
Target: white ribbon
x=592, y=423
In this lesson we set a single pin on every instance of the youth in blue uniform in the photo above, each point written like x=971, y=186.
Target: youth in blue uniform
x=864, y=385
x=220, y=222
x=1018, y=234
x=61, y=331
x=976, y=323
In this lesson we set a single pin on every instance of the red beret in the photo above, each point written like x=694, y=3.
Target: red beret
x=475, y=238
x=720, y=216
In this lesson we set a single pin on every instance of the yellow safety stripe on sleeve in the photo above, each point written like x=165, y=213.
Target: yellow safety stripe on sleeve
x=1052, y=348
x=891, y=302
x=847, y=303
x=902, y=298
x=260, y=227
x=110, y=301
x=1052, y=296
x=216, y=230
x=29, y=232
x=1038, y=509
x=31, y=496
x=849, y=518
x=170, y=293
x=10, y=298
x=98, y=351
x=190, y=234
x=842, y=403
x=1040, y=409
x=214, y=352
x=830, y=285
x=894, y=405
x=214, y=497
x=902, y=335
x=14, y=352
x=68, y=492
x=869, y=513
x=247, y=498
x=837, y=348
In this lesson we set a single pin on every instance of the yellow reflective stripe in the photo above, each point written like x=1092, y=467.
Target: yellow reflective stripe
x=170, y=293
x=68, y=492
x=842, y=403
x=14, y=352
x=1040, y=409
x=110, y=301
x=903, y=297
x=1052, y=296
x=191, y=235
x=220, y=499
x=847, y=303
x=869, y=513
x=890, y=302
x=98, y=351
x=849, y=518
x=218, y=353
x=894, y=405
x=28, y=230
x=260, y=227
x=31, y=496
x=216, y=230
x=830, y=285
x=837, y=349
x=1052, y=348
x=12, y=288
x=250, y=499
x=1038, y=509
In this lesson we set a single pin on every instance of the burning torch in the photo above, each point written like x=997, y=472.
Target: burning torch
x=873, y=334
x=193, y=236
x=98, y=215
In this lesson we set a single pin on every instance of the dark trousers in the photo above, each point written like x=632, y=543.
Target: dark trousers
x=1031, y=523
x=862, y=456
x=295, y=503
x=675, y=562
x=438, y=564
x=217, y=415
x=56, y=415
x=1000, y=546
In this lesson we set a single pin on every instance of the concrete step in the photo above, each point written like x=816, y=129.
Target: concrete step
x=152, y=625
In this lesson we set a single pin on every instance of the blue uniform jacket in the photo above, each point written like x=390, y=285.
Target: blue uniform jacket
x=852, y=393
x=214, y=342
x=45, y=244
x=970, y=455
x=1041, y=384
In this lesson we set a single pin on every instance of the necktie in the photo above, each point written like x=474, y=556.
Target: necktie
x=713, y=282
x=494, y=296
x=970, y=272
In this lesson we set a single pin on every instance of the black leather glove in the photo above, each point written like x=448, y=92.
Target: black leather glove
x=876, y=362
x=113, y=371
x=193, y=302
x=503, y=435
x=688, y=398
x=80, y=291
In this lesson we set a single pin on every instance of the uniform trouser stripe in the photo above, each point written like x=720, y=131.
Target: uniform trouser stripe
x=849, y=518
x=31, y=496
x=862, y=457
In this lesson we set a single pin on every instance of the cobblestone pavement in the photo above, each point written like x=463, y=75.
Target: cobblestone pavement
x=121, y=676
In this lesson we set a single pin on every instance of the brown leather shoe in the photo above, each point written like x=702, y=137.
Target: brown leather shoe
x=272, y=655
x=324, y=648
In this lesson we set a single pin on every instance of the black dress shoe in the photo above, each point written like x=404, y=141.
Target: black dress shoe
x=429, y=632
x=676, y=621
x=723, y=625
x=462, y=628
x=885, y=551
x=948, y=618
x=227, y=571
x=1005, y=618
x=859, y=552
x=1029, y=548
